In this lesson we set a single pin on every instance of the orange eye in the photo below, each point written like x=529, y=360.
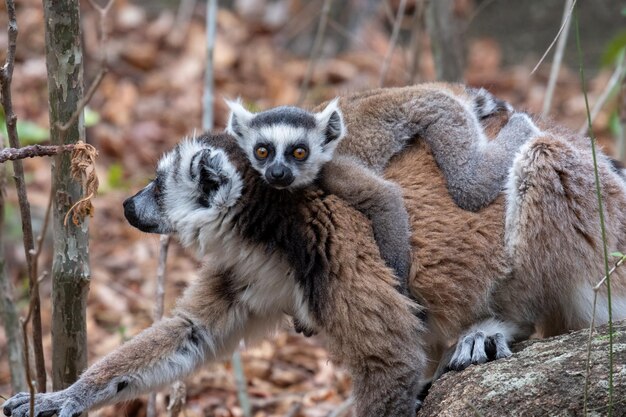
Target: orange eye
x=300, y=154
x=261, y=152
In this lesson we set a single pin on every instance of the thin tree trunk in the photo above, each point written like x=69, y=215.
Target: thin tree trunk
x=446, y=41
x=10, y=315
x=621, y=144
x=70, y=266
x=6, y=77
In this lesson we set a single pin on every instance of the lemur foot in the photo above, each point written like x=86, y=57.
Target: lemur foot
x=46, y=405
x=486, y=104
x=475, y=347
x=518, y=130
x=302, y=328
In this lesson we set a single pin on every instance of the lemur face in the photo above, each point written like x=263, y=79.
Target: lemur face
x=287, y=145
x=196, y=184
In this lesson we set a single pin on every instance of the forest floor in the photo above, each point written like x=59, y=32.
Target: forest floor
x=150, y=98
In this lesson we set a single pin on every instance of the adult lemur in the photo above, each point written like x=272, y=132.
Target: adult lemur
x=268, y=252
x=292, y=148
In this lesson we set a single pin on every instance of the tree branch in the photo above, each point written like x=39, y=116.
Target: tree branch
x=392, y=42
x=6, y=77
x=14, y=154
x=558, y=57
x=315, y=52
x=159, y=303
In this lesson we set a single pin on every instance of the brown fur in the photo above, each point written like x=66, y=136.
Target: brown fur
x=462, y=269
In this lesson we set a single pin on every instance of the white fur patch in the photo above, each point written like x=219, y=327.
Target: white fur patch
x=492, y=326
x=267, y=277
x=580, y=311
x=182, y=191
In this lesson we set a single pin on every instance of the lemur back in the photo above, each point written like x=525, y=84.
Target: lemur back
x=292, y=148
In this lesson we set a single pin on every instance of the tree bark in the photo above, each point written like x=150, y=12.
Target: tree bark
x=10, y=316
x=70, y=266
x=543, y=378
x=446, y=41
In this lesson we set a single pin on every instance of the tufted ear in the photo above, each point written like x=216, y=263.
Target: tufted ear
x=238, y=120
x=205, y=168
x=330, y=123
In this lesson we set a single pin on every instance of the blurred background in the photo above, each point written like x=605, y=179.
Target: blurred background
x=152, y=96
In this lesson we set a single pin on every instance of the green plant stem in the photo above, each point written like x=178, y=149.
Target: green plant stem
x=601, y=210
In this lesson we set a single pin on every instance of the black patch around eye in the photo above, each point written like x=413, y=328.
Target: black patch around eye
x=121, y=385
x=291, y=149
x=271, y=152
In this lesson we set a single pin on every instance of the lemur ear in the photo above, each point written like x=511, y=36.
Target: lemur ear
x=206, y=168
x=330, y=122
x=238, y=120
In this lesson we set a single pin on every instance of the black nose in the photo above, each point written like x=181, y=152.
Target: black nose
x=129, y=210
x=278, y=172
x=279, y=175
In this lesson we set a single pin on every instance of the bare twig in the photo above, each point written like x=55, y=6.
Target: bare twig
x=178, y=398
x=392, y=42
x=13, y=154
x=565, y=23
x=6, y=76
x=159, y=304
x=181, y=24
x=446, y=41
x=84, y=101
x=415, y=47
x=300, y=22
x=102, y=12
x=616, y=78
x=596, y=290
x=558, y=57
x=104, y=34
x=600, y=212
x=242, y=385
x=315, y=52
x=8, y=309
x=621, y=106
x=208, y=97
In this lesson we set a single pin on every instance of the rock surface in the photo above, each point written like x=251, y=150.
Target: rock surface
x=543, y=378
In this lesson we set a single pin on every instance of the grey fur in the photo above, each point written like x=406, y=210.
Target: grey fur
x=475, y=170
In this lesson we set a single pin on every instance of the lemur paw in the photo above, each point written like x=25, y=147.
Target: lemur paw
x=46, y=405
x=475, y=348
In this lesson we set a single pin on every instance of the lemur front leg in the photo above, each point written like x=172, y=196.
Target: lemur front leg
x=162, y=353
x=382, y=202
x=205, y=327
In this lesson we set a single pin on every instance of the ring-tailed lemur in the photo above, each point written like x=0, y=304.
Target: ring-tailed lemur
x=291, y=148
x=268, y=252
x=463, y=270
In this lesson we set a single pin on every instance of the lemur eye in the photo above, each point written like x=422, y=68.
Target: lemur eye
x=261, y=152
x=300, y=154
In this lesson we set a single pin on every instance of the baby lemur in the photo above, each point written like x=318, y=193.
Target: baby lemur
x=292, y=148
